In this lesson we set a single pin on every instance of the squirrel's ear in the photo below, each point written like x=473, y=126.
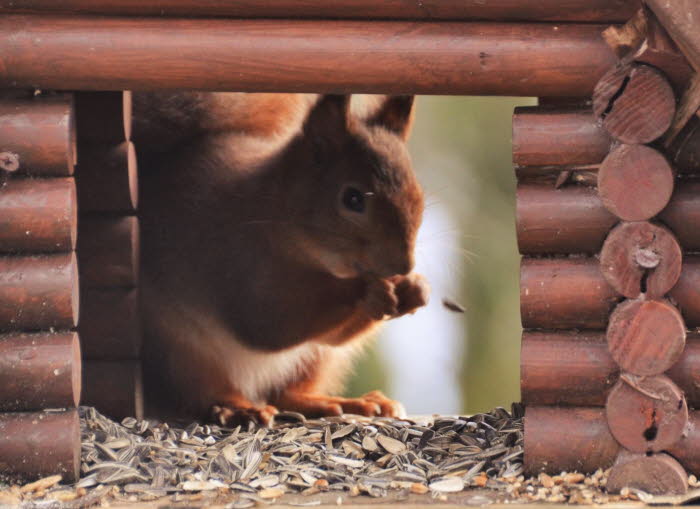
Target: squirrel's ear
x=396, y=115
x=330, y=115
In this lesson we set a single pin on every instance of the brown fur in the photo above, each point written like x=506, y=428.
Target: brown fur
x=257, y=280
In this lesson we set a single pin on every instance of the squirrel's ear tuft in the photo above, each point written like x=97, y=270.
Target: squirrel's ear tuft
x=330, y=115
x=396, y=115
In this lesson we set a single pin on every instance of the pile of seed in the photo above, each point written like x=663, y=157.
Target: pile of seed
x=352, y=455
x=146, y=460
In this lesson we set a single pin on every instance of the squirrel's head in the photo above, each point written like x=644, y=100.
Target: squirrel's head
x=358, y=202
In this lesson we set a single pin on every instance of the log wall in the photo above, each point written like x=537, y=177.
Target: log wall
x=40, y=360
x=608, y=277
x=108, y=254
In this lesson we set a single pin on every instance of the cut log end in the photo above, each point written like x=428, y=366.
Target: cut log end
x=635, y=182
x=646, y=337
x=635, y=103
x=646, y=414
x=641, y=258
x=657, y=474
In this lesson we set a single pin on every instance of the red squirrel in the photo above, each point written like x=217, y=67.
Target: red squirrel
x=277, y=231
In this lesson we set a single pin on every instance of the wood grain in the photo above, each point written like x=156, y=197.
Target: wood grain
x=38, y=292
x=546, y=136
x=646, y=337
x=635, y=103
x=641, y=258
x=25, y=121
x=571, y=219
x=589, y=444
x=38, y=215
x=543, y=10
x=635, y=182
x=575, y=368
x=95, y=53
x=657, y=474
x=646, y=413
x=39, y=370
x=39, y=444
x=564, y=294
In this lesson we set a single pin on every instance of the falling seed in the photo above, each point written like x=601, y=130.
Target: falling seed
x=452, y=305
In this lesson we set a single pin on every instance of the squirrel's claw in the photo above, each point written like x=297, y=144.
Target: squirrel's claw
x=230, y=416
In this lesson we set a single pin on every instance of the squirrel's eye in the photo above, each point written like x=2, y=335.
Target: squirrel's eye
x=354, y=200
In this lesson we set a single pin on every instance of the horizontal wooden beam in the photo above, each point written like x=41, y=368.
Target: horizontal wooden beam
x=521, y=10
x=98, y=53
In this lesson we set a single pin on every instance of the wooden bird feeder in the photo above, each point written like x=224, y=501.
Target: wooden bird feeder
x=608, y=197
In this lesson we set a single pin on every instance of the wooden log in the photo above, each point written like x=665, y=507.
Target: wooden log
x=566, y=368
x=680, y=17
x=114, y=388
x=558, y=136
x=635, y=103
x=683, y=213
x=39, y=370
x=38, y=292
x=686, y=372
x=589, y=444
x=38, y=134
x=686, y=450
x=686, y=293
x=96, y=53
x=635, y=182
x=564, y=294
x=544, y=138
x=560, y=221
x=110, y=328
x=576, y=369
x=646, y=337
x=108, y=251
x=38, y=444
x=684, y=151
x=103, y=117
x=572, y=293
x=572, y=219
x=641, y=258
x=38, y=215
x=107, y=178
x=516, y=10
x=646, y=413
x=657, y=474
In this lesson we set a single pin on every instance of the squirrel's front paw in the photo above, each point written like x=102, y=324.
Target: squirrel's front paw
x=232, y=416
x=412, y=292
x=380, y=299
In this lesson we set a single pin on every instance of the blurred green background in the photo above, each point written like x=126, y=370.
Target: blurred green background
x=461, y=149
